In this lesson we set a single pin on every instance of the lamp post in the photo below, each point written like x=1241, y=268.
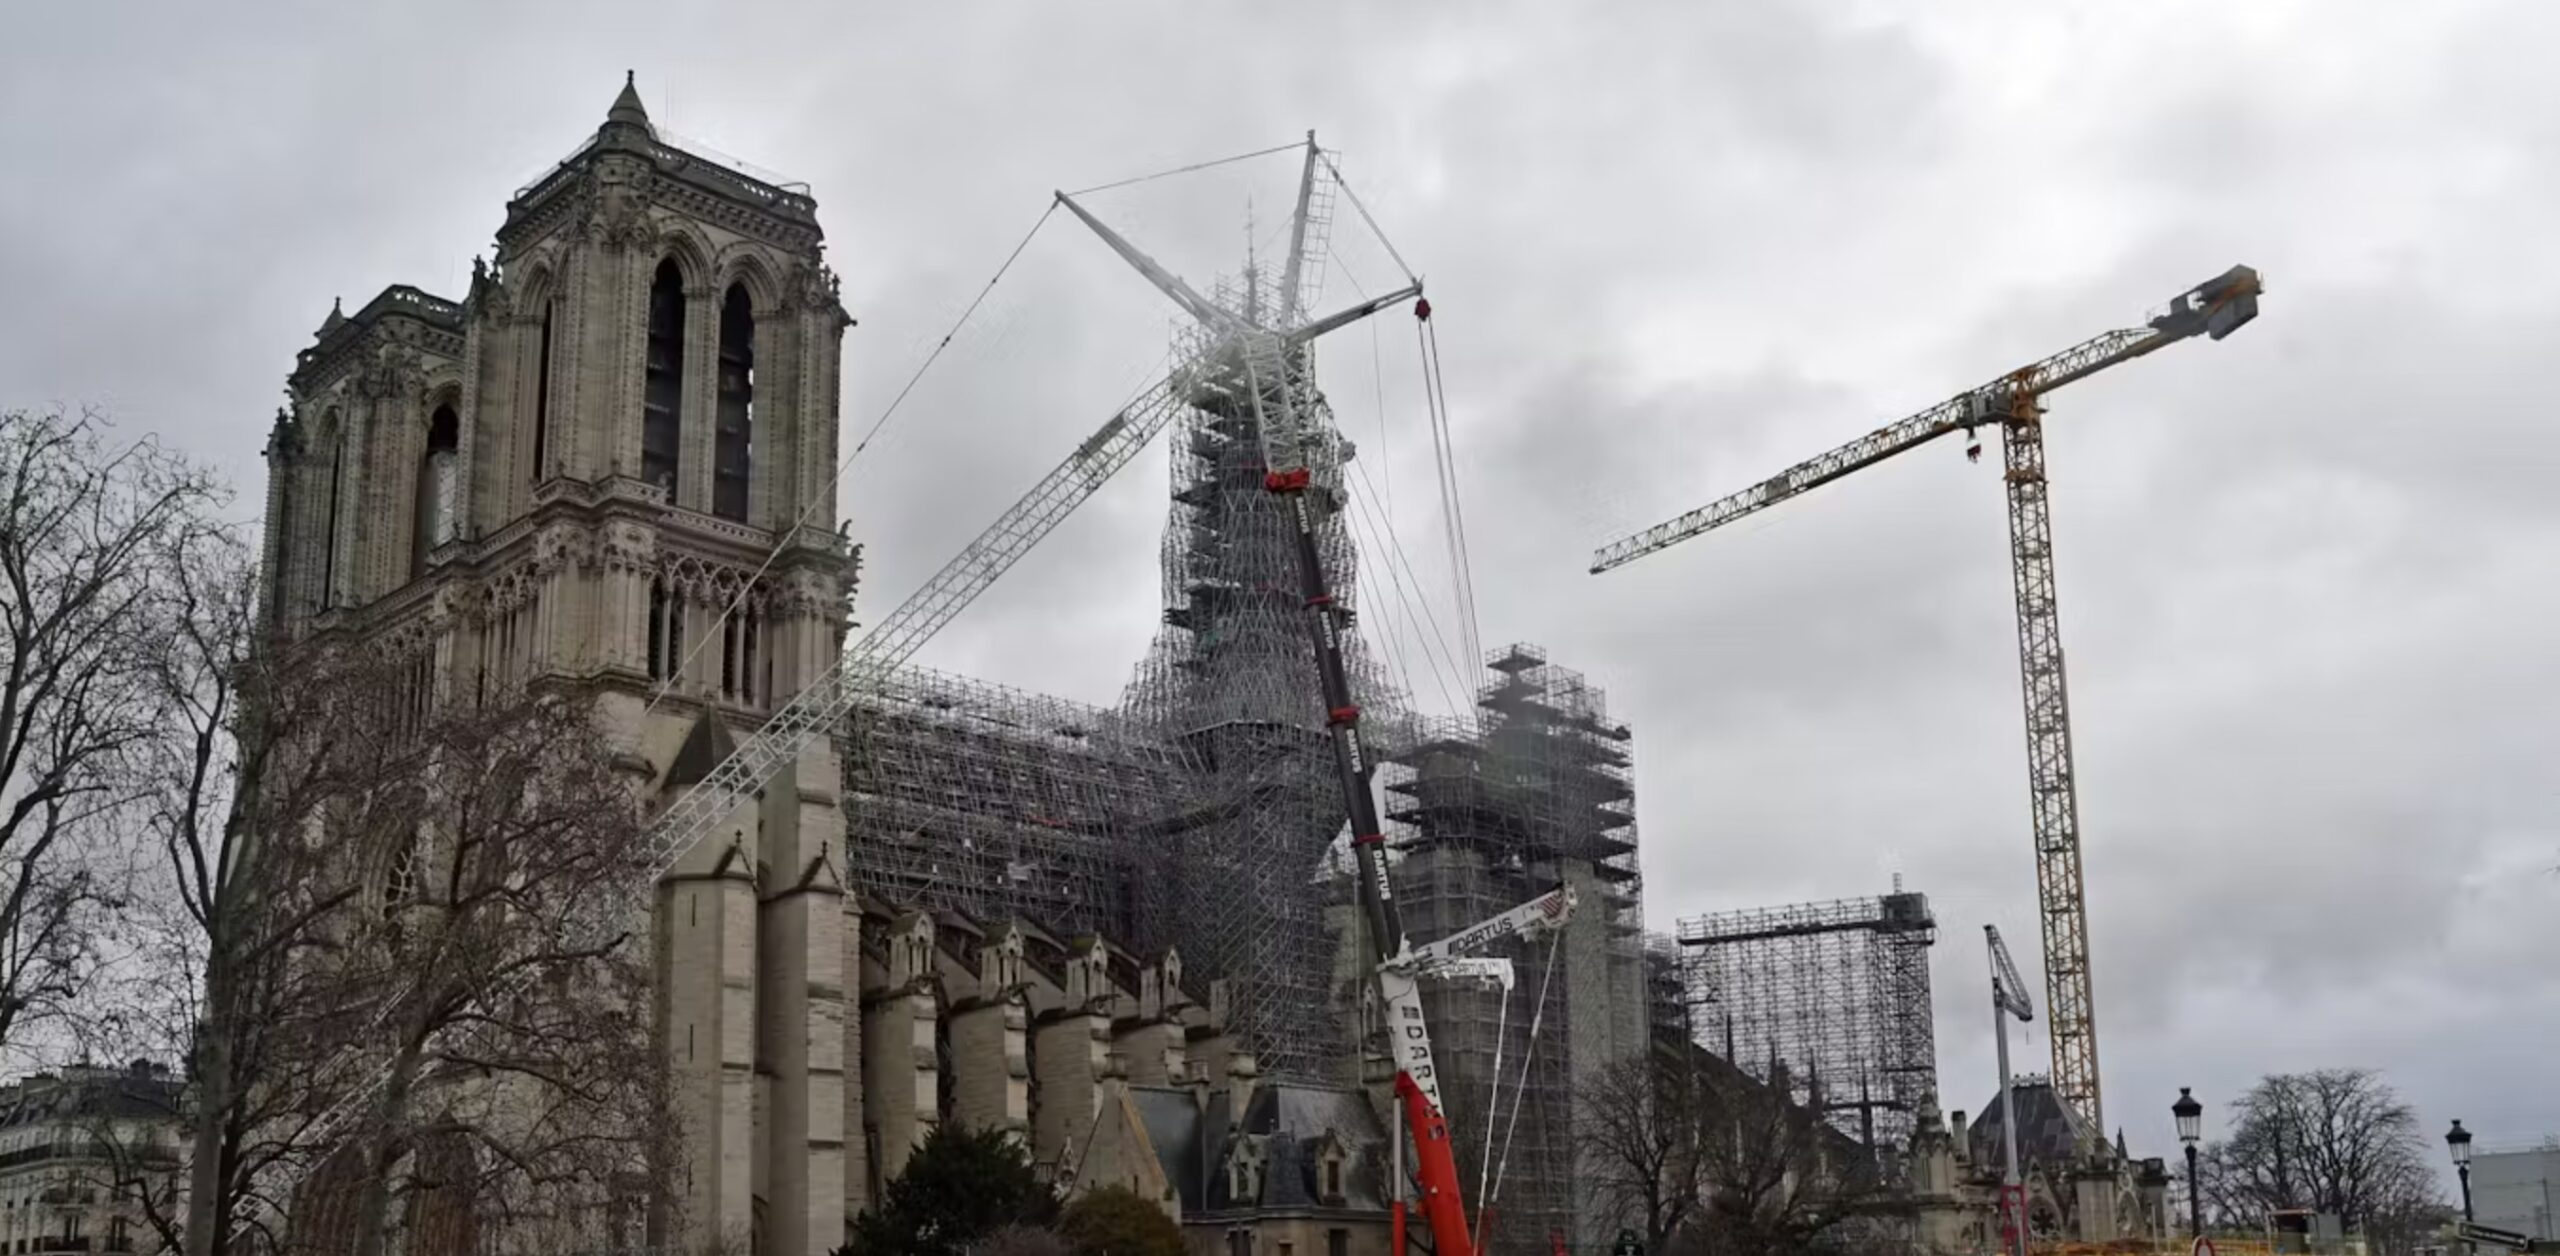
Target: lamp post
x=2190, y=1116
x=2458, y=1140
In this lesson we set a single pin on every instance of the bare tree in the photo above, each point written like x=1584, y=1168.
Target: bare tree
x=1781, y=1181
x=243, y=894
x=1711, y=1160
x=1640, y=1141
x=492, y=846
x=349, y=866
x=2334, y=1140
x=82, y=525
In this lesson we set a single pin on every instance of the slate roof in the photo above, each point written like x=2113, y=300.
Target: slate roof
x=2048, y=1130
x=1291, y=1118
x=89, y=1093
x=1172, y=1121
x=1297, y=1118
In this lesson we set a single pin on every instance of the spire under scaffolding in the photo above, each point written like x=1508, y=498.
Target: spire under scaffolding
x=1231, y=680
x=1203, y=811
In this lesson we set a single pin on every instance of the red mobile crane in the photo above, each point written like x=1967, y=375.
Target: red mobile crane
x=1401, y=966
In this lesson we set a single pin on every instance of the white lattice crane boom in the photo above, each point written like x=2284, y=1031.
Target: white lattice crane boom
x=2008, y=989
x=2014, y=402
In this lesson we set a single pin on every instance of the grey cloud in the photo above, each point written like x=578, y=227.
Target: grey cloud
x=2304, y=572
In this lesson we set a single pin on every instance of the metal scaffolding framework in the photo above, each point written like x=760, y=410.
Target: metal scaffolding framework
x=1231, y=679
x=1830, y=1000
x=974, y=797
x=1204, y=812
x=1533, y=794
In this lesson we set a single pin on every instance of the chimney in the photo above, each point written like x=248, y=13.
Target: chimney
x=1242, y=1072
x=1221, y=1003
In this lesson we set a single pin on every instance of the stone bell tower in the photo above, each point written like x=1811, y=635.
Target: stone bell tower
x=608, y=465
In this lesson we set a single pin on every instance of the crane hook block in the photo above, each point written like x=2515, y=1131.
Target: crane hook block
x=1286, y=481
x=1422, y=308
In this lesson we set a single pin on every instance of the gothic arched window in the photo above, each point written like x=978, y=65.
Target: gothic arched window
x=666, y=631
x=337, y=438
x=733, y=451
x=433, y=522
x=662, y=397
x=542, y=391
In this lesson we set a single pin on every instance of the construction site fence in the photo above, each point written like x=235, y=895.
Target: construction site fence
x=2222, y=1246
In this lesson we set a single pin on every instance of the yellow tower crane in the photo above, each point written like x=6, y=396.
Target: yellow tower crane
x=2015, y=403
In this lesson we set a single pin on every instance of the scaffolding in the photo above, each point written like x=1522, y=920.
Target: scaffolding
x=1827, y=1000
x=1666, y=991
x=1204, y=811
x=1533, y=794
x=1231, y=679
x=966, y=796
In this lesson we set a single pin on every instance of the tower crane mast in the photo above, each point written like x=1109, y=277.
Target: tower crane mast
x=2014, y=403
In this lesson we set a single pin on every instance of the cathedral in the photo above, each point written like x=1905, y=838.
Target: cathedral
x=1123, y=933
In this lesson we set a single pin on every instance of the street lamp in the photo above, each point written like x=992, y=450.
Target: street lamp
x=2190, y=1116
x=2458, y=1140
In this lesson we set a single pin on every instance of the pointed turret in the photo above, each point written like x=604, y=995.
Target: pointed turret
x=284, y=440
x=337, y=317
x=627, y=109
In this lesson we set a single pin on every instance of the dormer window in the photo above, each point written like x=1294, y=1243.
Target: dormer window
x=1245, y=1163
x=1331, y=1159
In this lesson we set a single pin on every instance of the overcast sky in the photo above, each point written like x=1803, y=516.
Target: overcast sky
x=2306, y=573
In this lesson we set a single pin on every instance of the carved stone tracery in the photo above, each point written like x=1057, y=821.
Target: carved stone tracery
x=706, y=581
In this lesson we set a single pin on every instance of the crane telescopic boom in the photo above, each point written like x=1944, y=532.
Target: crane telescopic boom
x=2008, y=998
x=1402, y=965
x=2015, y=403
x=1417, y=1082
x=1270, y=366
